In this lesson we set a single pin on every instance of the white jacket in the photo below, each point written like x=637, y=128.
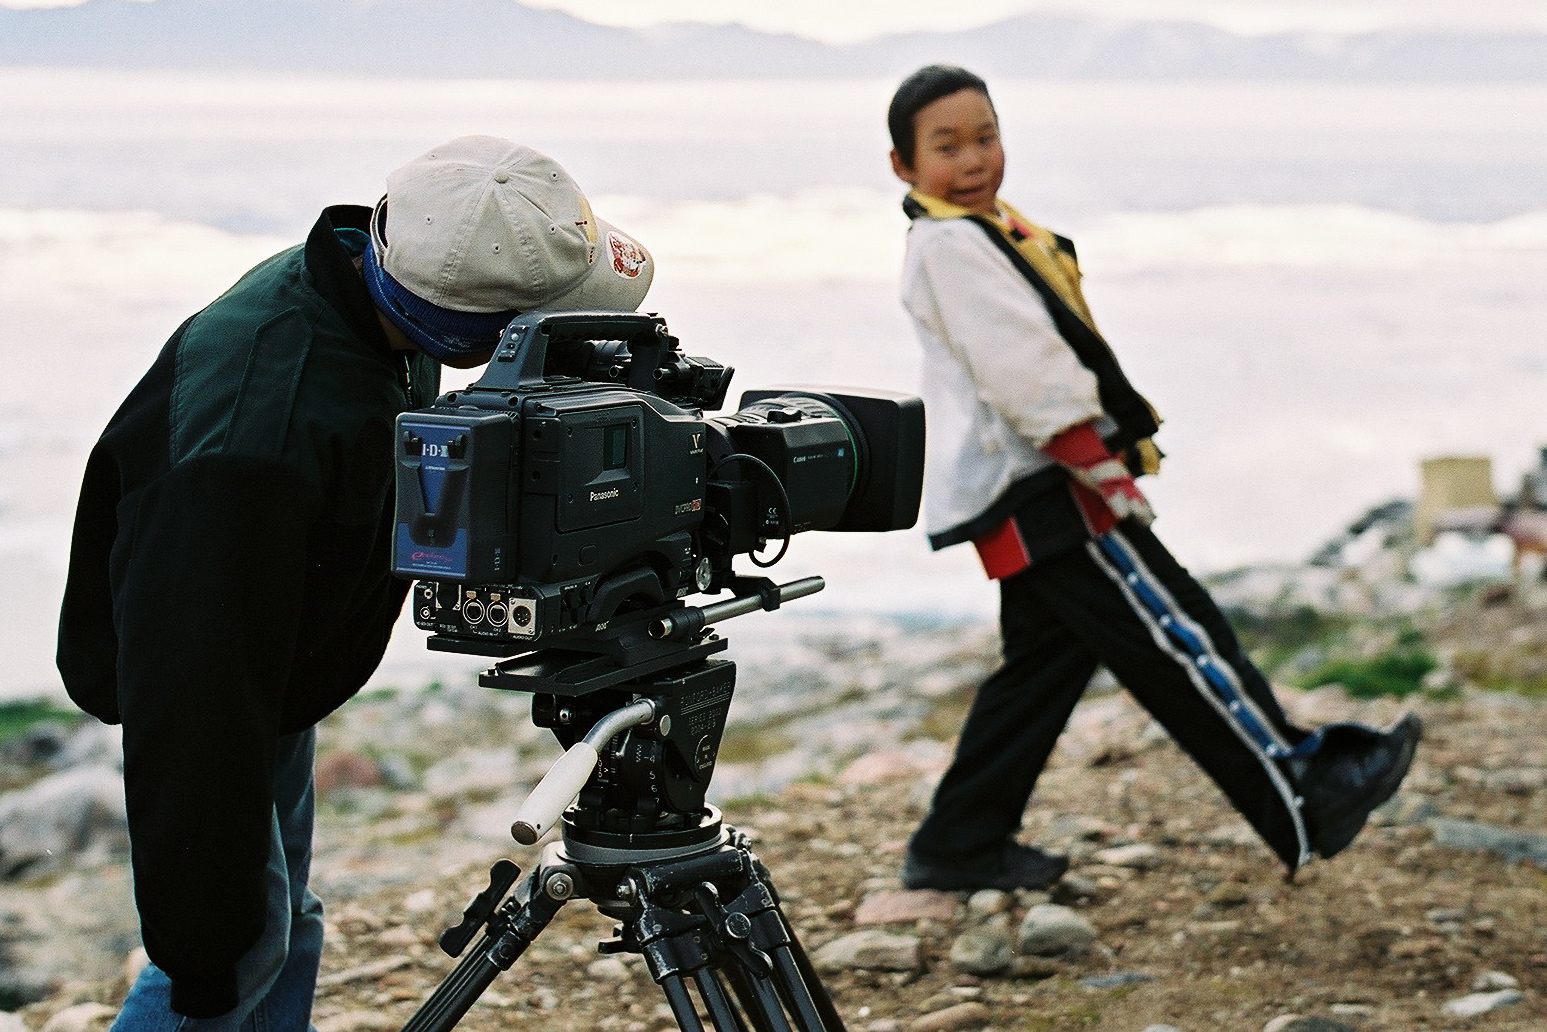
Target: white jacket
x=999, y=381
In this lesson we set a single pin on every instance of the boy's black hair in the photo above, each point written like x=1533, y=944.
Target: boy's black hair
x=917, y=92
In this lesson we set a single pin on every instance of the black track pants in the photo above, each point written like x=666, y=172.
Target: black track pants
x=1062, y=618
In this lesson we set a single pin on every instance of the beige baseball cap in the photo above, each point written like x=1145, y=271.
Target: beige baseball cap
x=484, y=225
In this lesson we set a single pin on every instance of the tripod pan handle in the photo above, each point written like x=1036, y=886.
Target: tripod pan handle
x=554, y=792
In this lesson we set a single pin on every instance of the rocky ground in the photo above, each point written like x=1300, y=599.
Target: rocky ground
x=1172, y=916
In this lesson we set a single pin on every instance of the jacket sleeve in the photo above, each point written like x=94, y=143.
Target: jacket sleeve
x=206, y=606
x=969, y=295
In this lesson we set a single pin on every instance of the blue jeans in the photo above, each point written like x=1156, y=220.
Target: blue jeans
x=277, y=977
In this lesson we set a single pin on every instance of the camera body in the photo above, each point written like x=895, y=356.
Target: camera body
x=579, y=479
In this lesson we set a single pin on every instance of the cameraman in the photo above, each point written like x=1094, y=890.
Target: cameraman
x=228, y=583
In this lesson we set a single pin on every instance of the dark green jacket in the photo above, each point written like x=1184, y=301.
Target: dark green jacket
x=229, y=581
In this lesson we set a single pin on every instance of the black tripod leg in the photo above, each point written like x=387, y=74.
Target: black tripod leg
x=756, y=915
x=758, y=999
x=721, y=1011
x=511, y=933
x=808, y=997
x=681, y=1003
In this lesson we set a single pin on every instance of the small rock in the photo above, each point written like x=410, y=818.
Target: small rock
x=959, y=1016
x=1116, y=980
x=1517, y=780
x=880, y=767
x=870, y=949
x=1073, y=888
x=983, y=951
x=38, y=744
x=1406, y=808
x=1509, y=843
x=92, y=745
x=83, y=1017
x=894, y=906
x=1493, y=981
x=345, y=768
x=398, y=773
x=1028, y=898
x=1297, y=1023
x=1229, y=894
x=1481, y=1003
x=988, y=902
x=608, y=969
x=1237, y=833
x=356, y=1021
x=1353, y=1010
x=1036, y=968
x=1139, y=856
x=400, y=936
x=134, y=963
x=1050, y=930
x=1079, y=827
x=364, y=972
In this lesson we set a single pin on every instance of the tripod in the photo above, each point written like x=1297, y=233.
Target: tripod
x=642, y=720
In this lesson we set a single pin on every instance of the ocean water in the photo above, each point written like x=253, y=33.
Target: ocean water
x=1318, y=285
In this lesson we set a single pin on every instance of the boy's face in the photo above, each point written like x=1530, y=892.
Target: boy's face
x=957, y=156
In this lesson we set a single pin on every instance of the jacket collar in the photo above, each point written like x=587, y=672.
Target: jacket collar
x=333, y=272
x=922, y=205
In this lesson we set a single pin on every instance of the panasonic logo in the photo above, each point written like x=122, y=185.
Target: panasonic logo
x=602, y=496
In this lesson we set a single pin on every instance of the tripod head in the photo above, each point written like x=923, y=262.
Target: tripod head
x=640, y=707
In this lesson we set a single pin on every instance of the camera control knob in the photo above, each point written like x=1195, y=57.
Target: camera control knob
x=784, y=415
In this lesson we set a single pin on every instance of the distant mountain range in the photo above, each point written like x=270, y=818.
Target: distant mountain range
x=502, y=39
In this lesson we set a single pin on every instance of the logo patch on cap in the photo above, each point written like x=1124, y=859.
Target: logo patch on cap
x=628, y=258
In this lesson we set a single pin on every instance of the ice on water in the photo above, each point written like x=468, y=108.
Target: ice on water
x=1317, y=285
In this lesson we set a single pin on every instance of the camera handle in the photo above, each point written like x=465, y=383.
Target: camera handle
x=569, y=773
x=532, y=342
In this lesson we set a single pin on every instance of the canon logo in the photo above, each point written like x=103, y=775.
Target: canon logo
x=602, y=496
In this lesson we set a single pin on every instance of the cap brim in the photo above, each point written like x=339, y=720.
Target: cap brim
x=619, y=277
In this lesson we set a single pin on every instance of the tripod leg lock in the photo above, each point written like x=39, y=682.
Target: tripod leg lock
x=501, y=877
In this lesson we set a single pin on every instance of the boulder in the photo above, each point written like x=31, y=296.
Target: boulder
x=83, y=1017
x=895, y=906
x=984, y=950
x=1050, y=930
x=60, y=817
x=870, y=949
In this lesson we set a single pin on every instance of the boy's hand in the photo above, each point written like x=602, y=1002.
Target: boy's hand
x=1080, y=450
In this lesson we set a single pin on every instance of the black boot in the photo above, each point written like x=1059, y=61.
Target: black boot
x=1355, y=770
x=1011, y=866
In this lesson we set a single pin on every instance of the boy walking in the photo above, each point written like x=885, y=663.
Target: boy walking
x=1036, y=438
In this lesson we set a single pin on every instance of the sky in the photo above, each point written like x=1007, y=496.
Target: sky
x=853, y=20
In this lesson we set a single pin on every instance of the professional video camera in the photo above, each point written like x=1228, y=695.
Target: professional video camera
x=557, y=513
x=578, y=479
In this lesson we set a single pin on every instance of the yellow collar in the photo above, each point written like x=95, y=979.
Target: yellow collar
x=936, y=208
